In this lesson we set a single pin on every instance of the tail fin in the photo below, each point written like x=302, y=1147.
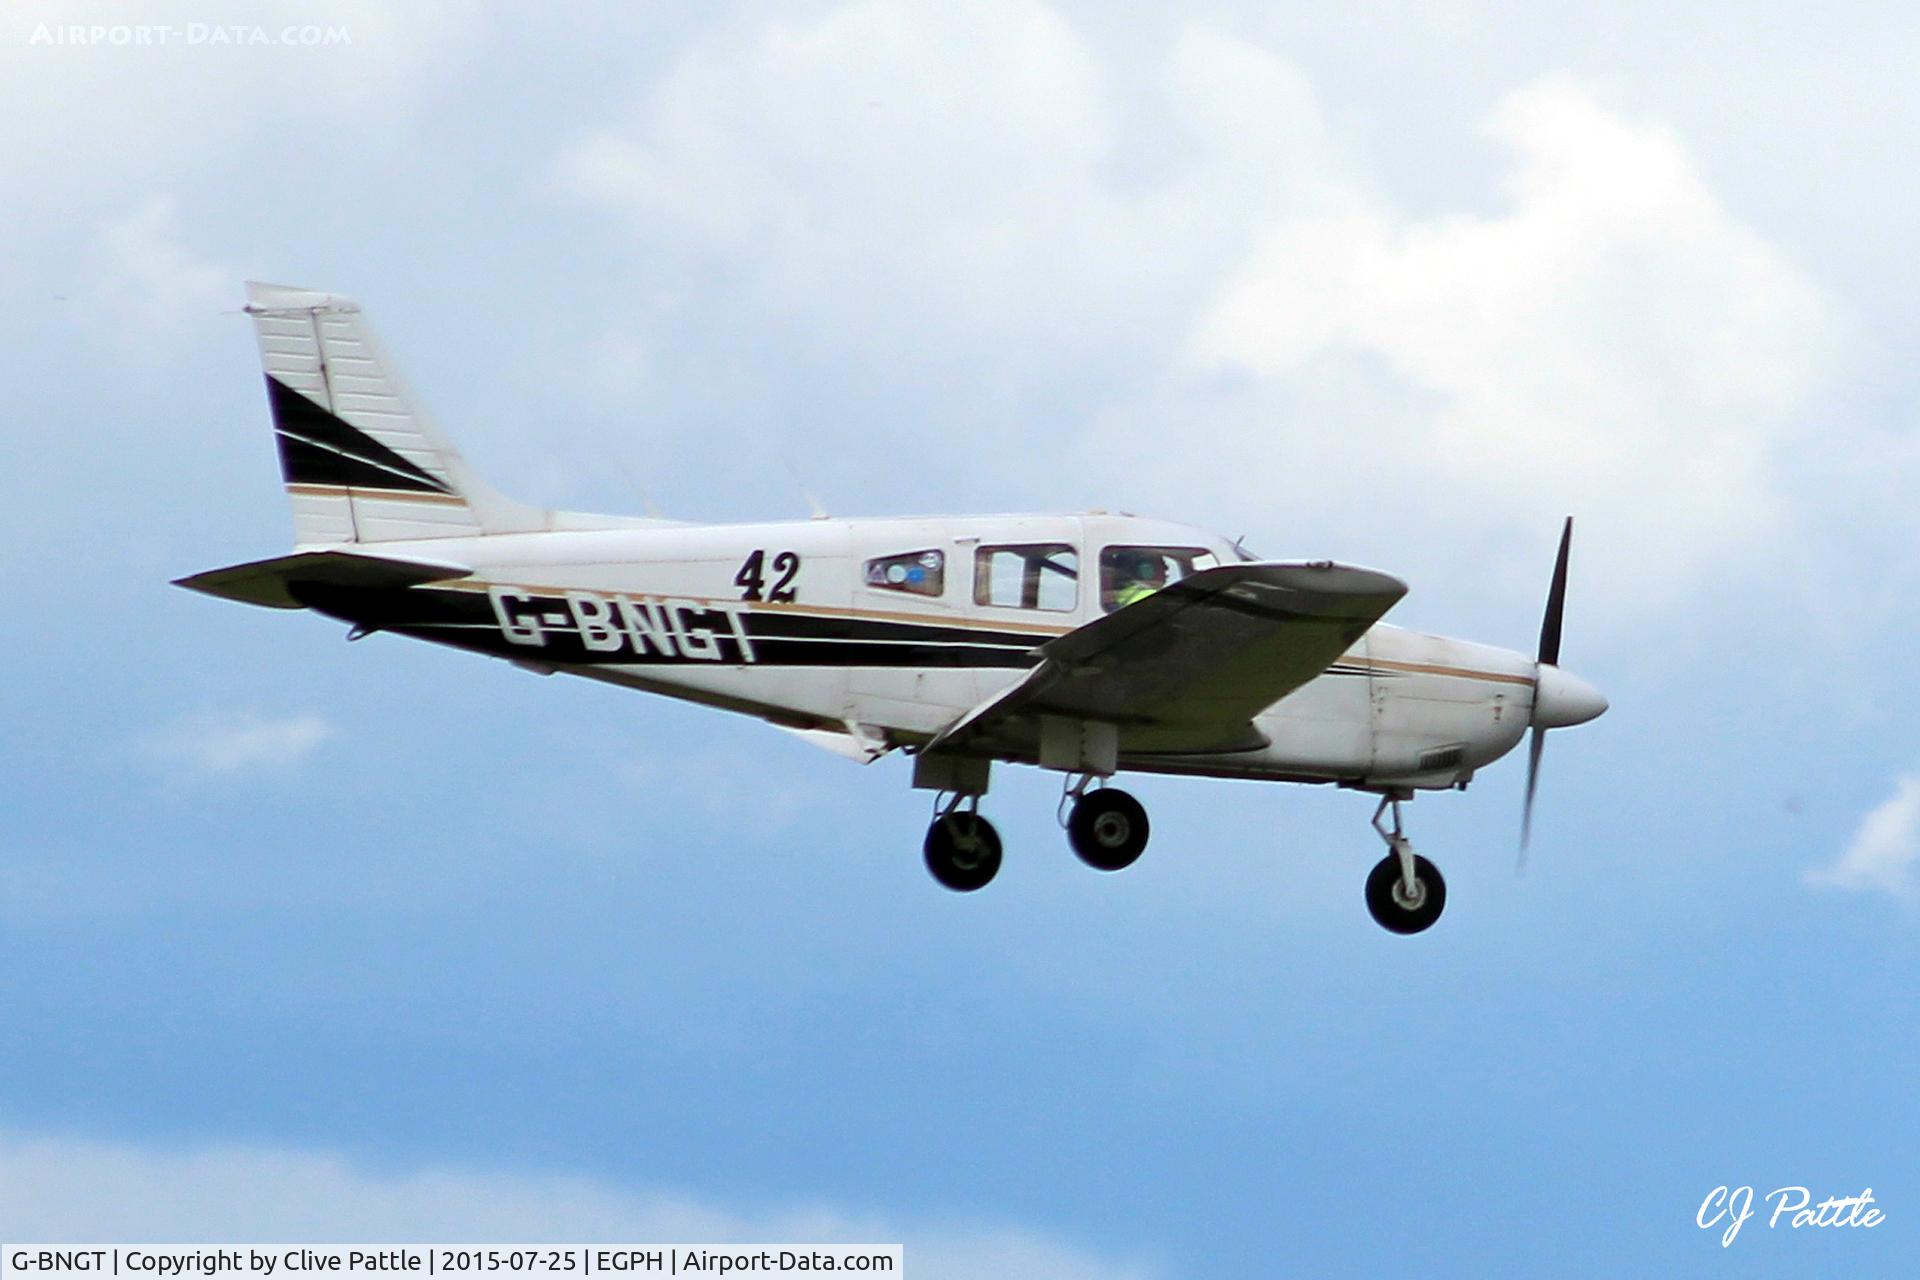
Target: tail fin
x=362, y=461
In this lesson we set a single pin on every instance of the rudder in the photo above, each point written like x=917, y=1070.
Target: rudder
x=361, y=459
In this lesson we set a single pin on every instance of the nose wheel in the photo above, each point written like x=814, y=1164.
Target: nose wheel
x=962, y=849
x=1405, y=893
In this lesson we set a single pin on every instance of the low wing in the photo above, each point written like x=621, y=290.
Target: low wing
x=267, y=582
x=1193, y=663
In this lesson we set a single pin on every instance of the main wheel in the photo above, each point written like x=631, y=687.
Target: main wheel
x=963, y=851
x=1393, y=907
x=1108, y=829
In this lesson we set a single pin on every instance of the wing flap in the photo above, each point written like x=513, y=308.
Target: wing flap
x=268, y=582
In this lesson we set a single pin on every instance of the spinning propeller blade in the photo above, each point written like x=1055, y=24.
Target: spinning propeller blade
x=1549, y=656
x=1534, y=746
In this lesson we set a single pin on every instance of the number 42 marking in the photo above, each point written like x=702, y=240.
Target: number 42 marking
x=752, y=577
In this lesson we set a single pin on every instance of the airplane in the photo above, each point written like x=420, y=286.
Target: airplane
x=1089, y=644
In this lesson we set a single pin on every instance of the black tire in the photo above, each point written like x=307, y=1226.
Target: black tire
x=963, y=851
x=1108, y=829
x=1390, y=910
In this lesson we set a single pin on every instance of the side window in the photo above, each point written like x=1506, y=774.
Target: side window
x=1035, y=575
x=924, y=573
x=1133, y=573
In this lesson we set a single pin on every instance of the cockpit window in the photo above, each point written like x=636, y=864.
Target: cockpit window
x=1128, y=574
x=924, y=573
x=1034, y=575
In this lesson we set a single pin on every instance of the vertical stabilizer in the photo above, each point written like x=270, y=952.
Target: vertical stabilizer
x=362, y=461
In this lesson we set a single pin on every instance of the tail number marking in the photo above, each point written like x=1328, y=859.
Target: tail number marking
x=671, y=628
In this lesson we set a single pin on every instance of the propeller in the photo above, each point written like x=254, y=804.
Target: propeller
x=1556, y=600
x=1559, y=698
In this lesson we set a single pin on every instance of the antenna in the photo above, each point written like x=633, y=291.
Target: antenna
x=814, y=508
x=646, y=499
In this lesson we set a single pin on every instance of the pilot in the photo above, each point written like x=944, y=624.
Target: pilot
x=1141, y=573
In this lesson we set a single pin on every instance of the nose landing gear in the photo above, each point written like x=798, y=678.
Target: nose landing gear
x=1405, y=893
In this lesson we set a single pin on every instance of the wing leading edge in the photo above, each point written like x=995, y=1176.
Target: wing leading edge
x=1190, y=666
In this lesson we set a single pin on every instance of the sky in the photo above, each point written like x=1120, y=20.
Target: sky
x=308, y=941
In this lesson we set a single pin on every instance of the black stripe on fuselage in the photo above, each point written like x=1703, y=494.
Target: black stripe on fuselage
x=318, y=447
x=828, y=627
x=697, y=633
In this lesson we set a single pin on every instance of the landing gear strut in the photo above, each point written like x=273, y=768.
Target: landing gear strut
x=1404, y=892
x=1107, y=827
x=962, y=848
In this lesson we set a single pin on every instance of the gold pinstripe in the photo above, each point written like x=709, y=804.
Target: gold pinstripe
x=384, y=495
x=1431, y=669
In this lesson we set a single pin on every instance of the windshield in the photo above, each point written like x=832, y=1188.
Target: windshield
x=1128, y=574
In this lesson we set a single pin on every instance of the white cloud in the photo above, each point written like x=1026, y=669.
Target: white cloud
x=1613, y=342
x=102, y=124
x=213, y=744
x=76, y=1190
x=886, y=156
x=931, y=182
x=1885, y=852
x=1248, y=322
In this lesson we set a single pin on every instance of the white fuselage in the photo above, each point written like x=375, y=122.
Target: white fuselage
x=840, y=625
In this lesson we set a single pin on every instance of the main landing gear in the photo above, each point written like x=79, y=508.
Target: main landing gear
x=962, y=848
x=1106, y=827
x=1404, y=892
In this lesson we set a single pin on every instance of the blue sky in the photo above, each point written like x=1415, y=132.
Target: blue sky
x=303, y=940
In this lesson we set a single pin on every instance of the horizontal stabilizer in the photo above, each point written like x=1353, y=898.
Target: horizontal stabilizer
x=269, y=582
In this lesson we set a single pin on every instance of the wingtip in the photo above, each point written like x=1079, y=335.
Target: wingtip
x=1333, y=578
